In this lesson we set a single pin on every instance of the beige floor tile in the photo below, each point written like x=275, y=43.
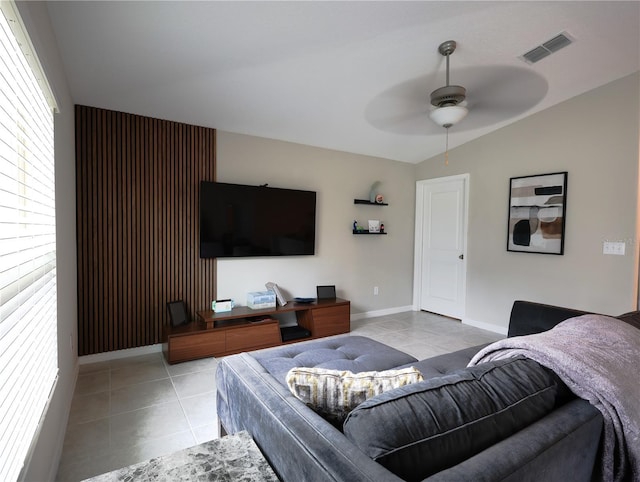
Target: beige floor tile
x=192, y=366
x=151, y=422
x=141, y=395
x=136, y=360
x=200, y=409
x=87, y=439
x=77, y=469
x=86, y=408
x=138, y=373
x=94, y=367
x=421, y=352
x=204, y=433
x=93, y=383
x=194, y=383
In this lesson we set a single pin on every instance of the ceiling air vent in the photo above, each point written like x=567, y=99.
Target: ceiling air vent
x=547, y=48
x=557, y=42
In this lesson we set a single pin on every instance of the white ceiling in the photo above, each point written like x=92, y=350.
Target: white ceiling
x=325, y=73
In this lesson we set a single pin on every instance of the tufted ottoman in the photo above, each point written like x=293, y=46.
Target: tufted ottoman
x=353, y=353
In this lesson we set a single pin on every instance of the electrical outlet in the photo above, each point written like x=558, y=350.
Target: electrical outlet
x=375, y=290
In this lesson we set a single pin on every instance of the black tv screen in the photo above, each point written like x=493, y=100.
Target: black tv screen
x=240, y=221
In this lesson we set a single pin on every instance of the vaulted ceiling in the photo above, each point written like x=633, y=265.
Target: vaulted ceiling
x=351, y=76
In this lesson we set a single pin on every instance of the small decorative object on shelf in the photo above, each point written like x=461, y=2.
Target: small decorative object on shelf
x=371, y=230
x=372, y=192
x=279, y=296
x=357, y=229
x=379, y=199
x=257, y=300
x=220, y=306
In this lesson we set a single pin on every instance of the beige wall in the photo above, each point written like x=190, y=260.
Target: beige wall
x=355, y=264
x=47, y=451
x=595, y=138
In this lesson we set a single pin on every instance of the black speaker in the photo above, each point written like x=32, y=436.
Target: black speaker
x=178, y=313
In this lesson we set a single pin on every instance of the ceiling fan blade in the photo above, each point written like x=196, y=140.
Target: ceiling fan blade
x=403, y=108
x=494, y=94
x=498, y=93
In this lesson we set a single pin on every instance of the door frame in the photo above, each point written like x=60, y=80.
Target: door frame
x=417, y=257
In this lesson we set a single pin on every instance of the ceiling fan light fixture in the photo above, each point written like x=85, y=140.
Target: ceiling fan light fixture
x=448, y=95
x=448, y=115
x=447, y=99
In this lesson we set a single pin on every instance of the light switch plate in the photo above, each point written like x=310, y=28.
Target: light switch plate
x=614, y=247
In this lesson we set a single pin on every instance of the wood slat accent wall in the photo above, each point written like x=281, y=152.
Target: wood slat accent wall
x=137, y=196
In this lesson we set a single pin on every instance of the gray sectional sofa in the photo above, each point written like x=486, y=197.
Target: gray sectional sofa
x=500, y=421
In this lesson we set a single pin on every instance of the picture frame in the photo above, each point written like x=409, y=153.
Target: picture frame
x=177, y=313
x=279, y=297
x=537, y=213
x=374, y=226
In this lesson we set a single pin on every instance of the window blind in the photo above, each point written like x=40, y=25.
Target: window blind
x=28, y=305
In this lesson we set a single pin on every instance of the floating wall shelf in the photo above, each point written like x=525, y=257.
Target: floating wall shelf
x=365, y=232
x=366, y=201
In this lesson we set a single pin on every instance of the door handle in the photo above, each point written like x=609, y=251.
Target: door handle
x=461, y=256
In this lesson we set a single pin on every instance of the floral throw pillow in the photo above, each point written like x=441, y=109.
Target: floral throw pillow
x=334, y=393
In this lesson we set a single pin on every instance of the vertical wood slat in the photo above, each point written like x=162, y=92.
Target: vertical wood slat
x=137, y=189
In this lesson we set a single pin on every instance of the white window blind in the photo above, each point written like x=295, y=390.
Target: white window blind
x=28, y=306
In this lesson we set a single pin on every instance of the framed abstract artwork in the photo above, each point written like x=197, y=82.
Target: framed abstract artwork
x=537, y=212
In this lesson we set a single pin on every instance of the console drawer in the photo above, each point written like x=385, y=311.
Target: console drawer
x=196, y=345
x=332, y=320
x=252, y=337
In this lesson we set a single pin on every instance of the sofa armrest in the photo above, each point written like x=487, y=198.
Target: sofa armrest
x=561, y=446
x=528, y=317
x=298, y=443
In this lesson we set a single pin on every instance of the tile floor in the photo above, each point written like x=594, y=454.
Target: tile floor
x=129, y=410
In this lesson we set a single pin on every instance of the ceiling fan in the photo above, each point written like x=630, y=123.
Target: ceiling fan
x=492, y=94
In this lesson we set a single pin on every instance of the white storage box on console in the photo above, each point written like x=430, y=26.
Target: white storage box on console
x=261, y=299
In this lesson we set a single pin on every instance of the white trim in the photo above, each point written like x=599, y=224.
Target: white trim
x=417, y=256
x=387, y=311
x=501, y=330
x=118, y=354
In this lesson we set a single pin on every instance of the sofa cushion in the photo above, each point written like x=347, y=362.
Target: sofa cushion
x=633, y=318
x=423, y=428
x=447, y=363
x=334, y=393
x=353, y=353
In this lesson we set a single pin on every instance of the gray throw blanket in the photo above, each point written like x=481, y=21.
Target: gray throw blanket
x=598, y=358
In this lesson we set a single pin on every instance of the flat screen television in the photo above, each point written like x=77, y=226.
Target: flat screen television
x=241, y=221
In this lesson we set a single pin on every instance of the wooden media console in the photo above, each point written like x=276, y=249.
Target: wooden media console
x=244, y=329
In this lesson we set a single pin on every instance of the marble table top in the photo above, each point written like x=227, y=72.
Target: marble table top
x=231, y=458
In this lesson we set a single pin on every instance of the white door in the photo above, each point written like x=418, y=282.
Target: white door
x=441, y=231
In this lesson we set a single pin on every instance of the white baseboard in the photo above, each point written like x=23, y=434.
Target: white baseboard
x=502, y=330
x=116, y=355
x=385, y=312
